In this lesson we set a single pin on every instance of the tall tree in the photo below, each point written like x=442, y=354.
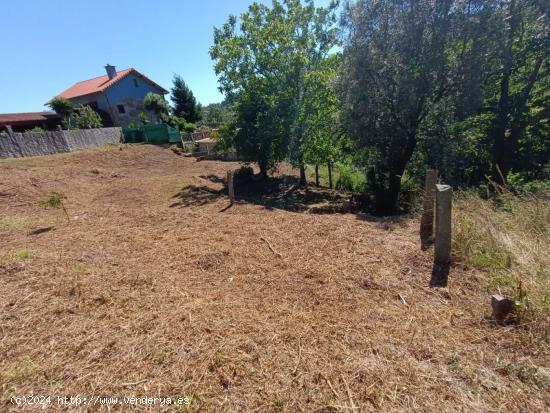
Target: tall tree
x=396, y=67
x=521, y=55
x=273, y=48
x=185, y=104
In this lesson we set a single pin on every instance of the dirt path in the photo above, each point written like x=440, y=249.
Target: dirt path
x=151, y=290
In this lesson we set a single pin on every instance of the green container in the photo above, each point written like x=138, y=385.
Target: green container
x=133, y=135
x=161, y=133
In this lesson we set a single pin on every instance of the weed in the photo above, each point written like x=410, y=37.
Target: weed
x=508, y=238
x=160, y=357
x=54, y=200
x=22, y=254
x=219, y=357
x=453, y=361
x=530, y=373
x=278, y=404
x=18, y=371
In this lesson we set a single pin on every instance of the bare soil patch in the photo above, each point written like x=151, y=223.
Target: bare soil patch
x=150, y=290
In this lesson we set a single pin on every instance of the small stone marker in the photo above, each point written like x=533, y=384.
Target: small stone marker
x=230, y=186
x=427, y=219
x=502, y=306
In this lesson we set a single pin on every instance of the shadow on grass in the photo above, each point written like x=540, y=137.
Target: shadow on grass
x=284, y=192
x=213, y=178
x=281, y=192
x=193, y=195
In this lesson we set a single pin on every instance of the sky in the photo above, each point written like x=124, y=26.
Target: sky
x=50, y=45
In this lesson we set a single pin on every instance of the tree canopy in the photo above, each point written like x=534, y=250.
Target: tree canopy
x=261, y=65
x=185, y=104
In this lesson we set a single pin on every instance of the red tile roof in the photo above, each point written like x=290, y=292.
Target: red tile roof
x=14, y=118
x=99, y=84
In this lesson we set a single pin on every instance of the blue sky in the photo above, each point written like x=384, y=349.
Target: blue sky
x=50, y=45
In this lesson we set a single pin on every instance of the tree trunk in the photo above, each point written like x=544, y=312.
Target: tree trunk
x=303, y=180
x=329, y=175
x=387, y=193
x=316, y=175
x=263, y=170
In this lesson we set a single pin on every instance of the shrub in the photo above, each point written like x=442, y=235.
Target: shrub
x=244, y=174
x=87, y=118
x=349, y=179
x=54, y=200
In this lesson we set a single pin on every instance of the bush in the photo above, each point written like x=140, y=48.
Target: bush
x=87, y=118
x=244, y=174
x=349, y=179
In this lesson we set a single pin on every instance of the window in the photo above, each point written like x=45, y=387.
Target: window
x=121, y=109
x=135, y=82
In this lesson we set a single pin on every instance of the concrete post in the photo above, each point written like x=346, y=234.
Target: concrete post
x=444, y=202
x=230, y=186
x=427, y=219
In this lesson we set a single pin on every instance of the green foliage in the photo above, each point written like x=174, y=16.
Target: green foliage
x=216, y=114
x=392, y=74
x=63, y=107
x=35, y=129
x=451, y=85
x=144, y=119
x=185, y=104
x=22, y=254
x=52, y=199
x=155, y=103
x=262, y=67
x=349, y=179
x=133, y=125
x=87, y=118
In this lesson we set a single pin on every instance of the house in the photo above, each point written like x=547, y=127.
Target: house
x=116, y=96
x=21, y=122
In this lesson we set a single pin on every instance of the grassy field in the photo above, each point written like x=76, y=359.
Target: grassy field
x=124, y=273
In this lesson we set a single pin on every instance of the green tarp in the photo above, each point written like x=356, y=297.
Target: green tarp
x=161, y=133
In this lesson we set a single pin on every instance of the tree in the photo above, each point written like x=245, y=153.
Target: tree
x=185, y=104
x=260, y=133
x=86, y=118
x=521, y=54
x=273, y=49
x=63, y=107
x=216, y=114
x=155, y=103
x=323, y=137
x=395, y=68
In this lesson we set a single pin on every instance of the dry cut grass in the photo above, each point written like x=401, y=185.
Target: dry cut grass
x=281, y=303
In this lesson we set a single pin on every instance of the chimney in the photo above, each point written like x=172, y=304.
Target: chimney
x=111, y=71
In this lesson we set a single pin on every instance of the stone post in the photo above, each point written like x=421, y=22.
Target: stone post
x=443, y=235
x=427, y=219
x=443, y=232
x=230, y=186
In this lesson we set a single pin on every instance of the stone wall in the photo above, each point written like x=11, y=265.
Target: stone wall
x=132, y=109
x=17, y=145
